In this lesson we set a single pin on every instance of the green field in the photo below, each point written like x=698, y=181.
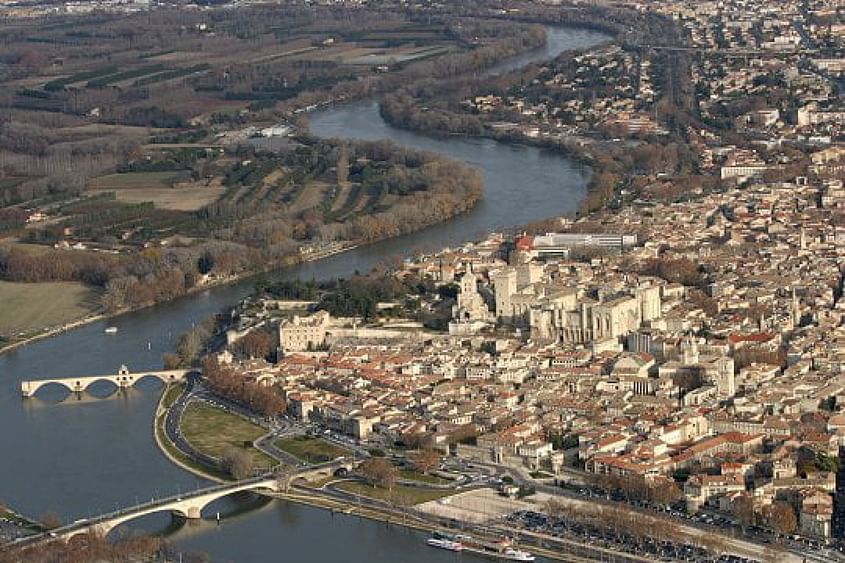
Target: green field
x=171, y=393
x=413, y=475
x=174, y=452
x=399, y=494
x=213, y=431
x=31, y=307
x=310, y=449
x=134, y=180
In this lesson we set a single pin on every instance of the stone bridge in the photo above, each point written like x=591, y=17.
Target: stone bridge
x=122, y=379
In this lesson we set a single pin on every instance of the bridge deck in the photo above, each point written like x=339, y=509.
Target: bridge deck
x=188, y=504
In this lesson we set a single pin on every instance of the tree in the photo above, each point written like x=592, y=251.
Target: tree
x=379, y=472
x=679, y=270
x=824, y=462
x=465, y=434
x=171, y=361
x=51, y=520
x=664, y=492
x=284, y=475
x=743, y=509
x=780, y=517
x=206, y=262
x=688, y=379
x=237, y=463
x=255, y=344
x=426, y=459
x=556, y=508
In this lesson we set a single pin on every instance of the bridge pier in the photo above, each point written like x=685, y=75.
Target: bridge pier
x=193, y=513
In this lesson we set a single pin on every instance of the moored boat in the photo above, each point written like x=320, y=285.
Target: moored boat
x=501, y=549
x=443, y=543
x=512, y=554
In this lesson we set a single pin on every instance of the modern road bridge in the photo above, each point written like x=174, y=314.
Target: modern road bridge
x=188, y=505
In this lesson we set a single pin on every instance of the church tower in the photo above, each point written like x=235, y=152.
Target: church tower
x=505, y=287
x=796, y=310
x=689, y=350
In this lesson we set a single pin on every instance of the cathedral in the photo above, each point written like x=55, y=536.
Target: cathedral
x=469, y=313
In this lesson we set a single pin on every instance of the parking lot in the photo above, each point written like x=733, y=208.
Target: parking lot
x=643, y=544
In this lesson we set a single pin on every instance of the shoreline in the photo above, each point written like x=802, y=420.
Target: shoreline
x=158, y=419
x=221, y=282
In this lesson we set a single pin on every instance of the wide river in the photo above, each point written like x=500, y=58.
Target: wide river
x=80, y=457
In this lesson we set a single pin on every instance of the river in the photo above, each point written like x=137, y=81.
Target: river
x=79, y=457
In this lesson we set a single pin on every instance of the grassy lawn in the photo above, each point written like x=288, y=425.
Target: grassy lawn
x=171, y=393
x=31, y=307
x=178, y=455
x=134, y=181
x=310, y=449
x=413, y=475
x=407, y=495
x=213, y=431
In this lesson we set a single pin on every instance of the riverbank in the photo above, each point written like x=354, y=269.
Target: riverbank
x=286, y=263
x=215, y=283
x=168, y=448
x=14, y=525
x=356, y=502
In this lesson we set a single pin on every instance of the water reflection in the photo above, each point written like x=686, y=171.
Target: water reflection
x=53, y=395
x=291, y=532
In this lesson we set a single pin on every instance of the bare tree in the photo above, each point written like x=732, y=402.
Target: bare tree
x=379, y=472
x=556, y=508
x=425, y=459
x=743, y=508
x=255, y=344
x=781, y=517
x=284, y=476
x=237, y=463
x=342, y=165
x=51, y=520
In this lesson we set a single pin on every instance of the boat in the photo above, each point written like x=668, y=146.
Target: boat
x=512, y=554
x=443, y=543
x=500, y=549
x=111, y=330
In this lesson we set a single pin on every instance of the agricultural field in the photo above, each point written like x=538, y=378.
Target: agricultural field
x=168, y=75
x=394, y=56
x=166, y=190
x=30, y=308
x=130, y=138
